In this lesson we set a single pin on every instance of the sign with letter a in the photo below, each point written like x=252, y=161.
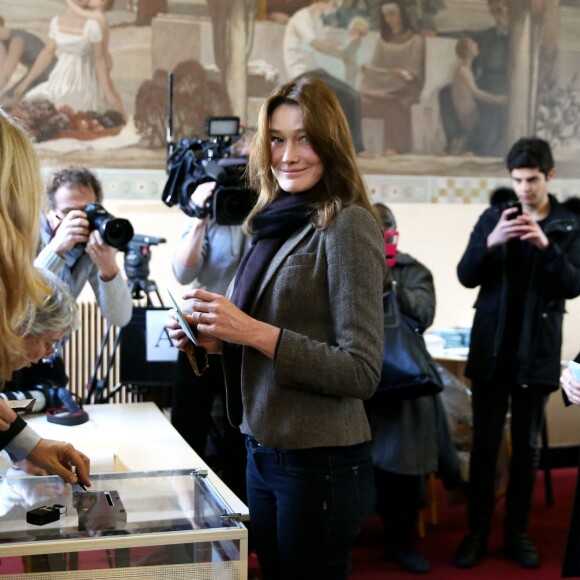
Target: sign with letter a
x=159, y=345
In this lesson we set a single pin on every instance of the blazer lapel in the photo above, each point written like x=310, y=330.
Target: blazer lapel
x=287, y=248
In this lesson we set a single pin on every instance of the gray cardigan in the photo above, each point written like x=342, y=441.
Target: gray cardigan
x=222, y=250
x=324, y=289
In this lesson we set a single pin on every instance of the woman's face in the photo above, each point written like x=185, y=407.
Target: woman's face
x=393, y=18
x=40, y=346
x=295, y=164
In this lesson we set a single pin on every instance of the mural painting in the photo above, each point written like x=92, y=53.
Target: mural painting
x=432, y=87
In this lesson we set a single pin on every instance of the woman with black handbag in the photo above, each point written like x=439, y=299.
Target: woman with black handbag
x=404, y=431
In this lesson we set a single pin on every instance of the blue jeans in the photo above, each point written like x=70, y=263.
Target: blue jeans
x=306, y=507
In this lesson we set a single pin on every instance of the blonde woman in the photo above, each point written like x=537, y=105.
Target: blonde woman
x=21, y=292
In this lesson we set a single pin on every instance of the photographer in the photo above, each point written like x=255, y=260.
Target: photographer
x=77, y=254
x=207, y=256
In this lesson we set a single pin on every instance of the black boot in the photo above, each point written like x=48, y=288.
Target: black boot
x=409, y=559
x=470, y=551
x=520, y=548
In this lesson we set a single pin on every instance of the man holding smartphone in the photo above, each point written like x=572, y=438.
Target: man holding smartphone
x=526, y=266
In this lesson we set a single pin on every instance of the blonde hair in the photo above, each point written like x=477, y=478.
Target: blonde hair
x=463, y=47
x=326, y=126
x=21, y=287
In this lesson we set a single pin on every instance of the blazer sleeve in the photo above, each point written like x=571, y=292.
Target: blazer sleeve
x=349, y=366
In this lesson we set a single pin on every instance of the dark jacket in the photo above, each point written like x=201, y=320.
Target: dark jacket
x=555, y=277
x=404, y=433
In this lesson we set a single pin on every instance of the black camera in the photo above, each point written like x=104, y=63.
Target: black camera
x=116, y=232
x=138, y=256
x=197, y=161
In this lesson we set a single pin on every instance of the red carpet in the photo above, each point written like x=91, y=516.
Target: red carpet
x=548, y=529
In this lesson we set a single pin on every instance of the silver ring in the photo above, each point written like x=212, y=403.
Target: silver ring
x=199, y=317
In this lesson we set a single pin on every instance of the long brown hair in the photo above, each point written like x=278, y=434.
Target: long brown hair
x=326, y=126
x=21, y=288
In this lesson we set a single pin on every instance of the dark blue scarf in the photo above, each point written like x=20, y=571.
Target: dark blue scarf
x=273, y=226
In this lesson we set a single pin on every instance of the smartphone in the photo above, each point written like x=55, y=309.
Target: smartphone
x=518, y=211
x=21, y=404
x=184, y=324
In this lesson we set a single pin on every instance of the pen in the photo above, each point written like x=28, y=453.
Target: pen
x=82, y=486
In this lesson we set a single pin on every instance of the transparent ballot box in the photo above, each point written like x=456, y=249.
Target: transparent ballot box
x=139, y=525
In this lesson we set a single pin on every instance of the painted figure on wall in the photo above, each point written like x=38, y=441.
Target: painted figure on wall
x=467, y=98
x=305, y=35
x=80, y=79
x=393, y=72
x=19, y=47
x=393, y=79
x=487, y=134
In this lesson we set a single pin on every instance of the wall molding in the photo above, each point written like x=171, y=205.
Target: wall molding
x=147, y=184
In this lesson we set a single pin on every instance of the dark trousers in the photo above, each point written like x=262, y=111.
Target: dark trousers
x=306, y=508
x=571, y=564
x=399, y=499
x=191, y=415
x=491, y=401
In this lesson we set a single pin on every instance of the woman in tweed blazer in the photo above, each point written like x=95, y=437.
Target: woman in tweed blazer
x=301, y=336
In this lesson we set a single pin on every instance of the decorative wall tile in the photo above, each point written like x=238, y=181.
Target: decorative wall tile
x=147, y=184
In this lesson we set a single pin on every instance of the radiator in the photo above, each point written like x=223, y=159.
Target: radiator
x=83, y=349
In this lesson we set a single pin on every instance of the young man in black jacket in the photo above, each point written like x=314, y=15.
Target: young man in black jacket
x=525, y=258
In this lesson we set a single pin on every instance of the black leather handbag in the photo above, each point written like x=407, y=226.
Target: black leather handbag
x=408, y=370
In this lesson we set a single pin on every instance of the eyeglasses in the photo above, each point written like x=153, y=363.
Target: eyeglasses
x=51, y=346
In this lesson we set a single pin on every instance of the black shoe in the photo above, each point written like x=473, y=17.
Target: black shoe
x=410, y=560
x=520, y=548
x=470, y=551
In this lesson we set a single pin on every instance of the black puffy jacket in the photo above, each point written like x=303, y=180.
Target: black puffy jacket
x=555, y=277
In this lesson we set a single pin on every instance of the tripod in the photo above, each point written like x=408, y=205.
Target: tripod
x=141, y=289
x=137, y=258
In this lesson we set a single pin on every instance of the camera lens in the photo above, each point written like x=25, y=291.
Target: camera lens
x=117, y=232
x=232, y=205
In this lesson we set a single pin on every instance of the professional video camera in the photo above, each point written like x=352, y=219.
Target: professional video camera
x=116, y=232
x=197, y=161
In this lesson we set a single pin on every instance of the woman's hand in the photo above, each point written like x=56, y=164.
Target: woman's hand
x=218, y=318
x=571, y=386
x=59, y=458
x=181, y=340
